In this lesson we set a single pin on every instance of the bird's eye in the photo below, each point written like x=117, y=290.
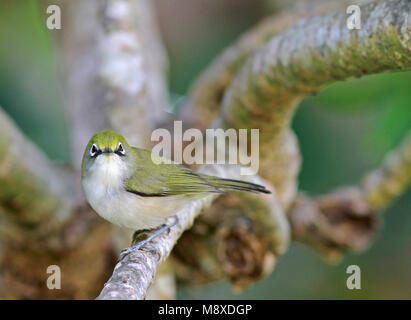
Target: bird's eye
x=94, y=150
x=120, y=150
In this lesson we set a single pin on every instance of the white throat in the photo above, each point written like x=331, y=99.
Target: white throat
x=108, y=171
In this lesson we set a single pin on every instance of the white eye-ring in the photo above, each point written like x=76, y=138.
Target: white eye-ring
x=94, y=150
x=120, y=149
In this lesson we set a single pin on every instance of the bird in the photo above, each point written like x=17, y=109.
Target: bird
x=126, y=187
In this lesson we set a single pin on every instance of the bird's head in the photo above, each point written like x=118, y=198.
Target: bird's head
x=106, y=148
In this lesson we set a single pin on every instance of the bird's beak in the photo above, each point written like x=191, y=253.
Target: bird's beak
x=107, y=151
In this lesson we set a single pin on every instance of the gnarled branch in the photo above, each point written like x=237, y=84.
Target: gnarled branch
x=35, y=196
x=347, y=218
x=258, y=83
x=266, y=91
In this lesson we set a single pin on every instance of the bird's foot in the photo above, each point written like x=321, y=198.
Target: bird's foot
x=141, y=238
x=139, y=246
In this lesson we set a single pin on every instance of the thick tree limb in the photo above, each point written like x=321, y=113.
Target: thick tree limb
x=206, y=94
x=35, y=196
x=132, y=70
x=298, y=62
x=113, y=70
x=42, y=224
x=79, y=61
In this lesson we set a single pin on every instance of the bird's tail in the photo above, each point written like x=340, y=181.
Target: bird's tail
x=236, y=185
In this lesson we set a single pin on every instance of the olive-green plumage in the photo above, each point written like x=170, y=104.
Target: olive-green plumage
x=172, y=179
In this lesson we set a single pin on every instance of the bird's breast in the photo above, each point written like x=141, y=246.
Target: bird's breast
x=105, y=191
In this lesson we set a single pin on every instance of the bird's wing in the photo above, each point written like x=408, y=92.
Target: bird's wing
x=155, y=180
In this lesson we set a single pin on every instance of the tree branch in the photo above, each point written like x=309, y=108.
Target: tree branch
x=133, y=70
x=386, y=183
x=35, y=196
x=164, y=286
x=113, y=70
x=298, y=62
x=43, y=223
x=240, y=237
x=206, y=94
x=334, y=223
x=347, y=217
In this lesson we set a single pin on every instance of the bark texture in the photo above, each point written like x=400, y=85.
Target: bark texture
x=113, y=66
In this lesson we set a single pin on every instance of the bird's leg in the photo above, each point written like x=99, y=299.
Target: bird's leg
x=140, y=240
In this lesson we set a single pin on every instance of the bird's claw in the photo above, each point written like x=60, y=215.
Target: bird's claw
x=141, y=238
x=139, y=246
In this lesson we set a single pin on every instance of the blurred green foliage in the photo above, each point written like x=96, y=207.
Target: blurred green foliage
x=343, y=131
x=29, y=88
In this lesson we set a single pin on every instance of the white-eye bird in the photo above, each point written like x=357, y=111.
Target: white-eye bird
x=124, y=186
